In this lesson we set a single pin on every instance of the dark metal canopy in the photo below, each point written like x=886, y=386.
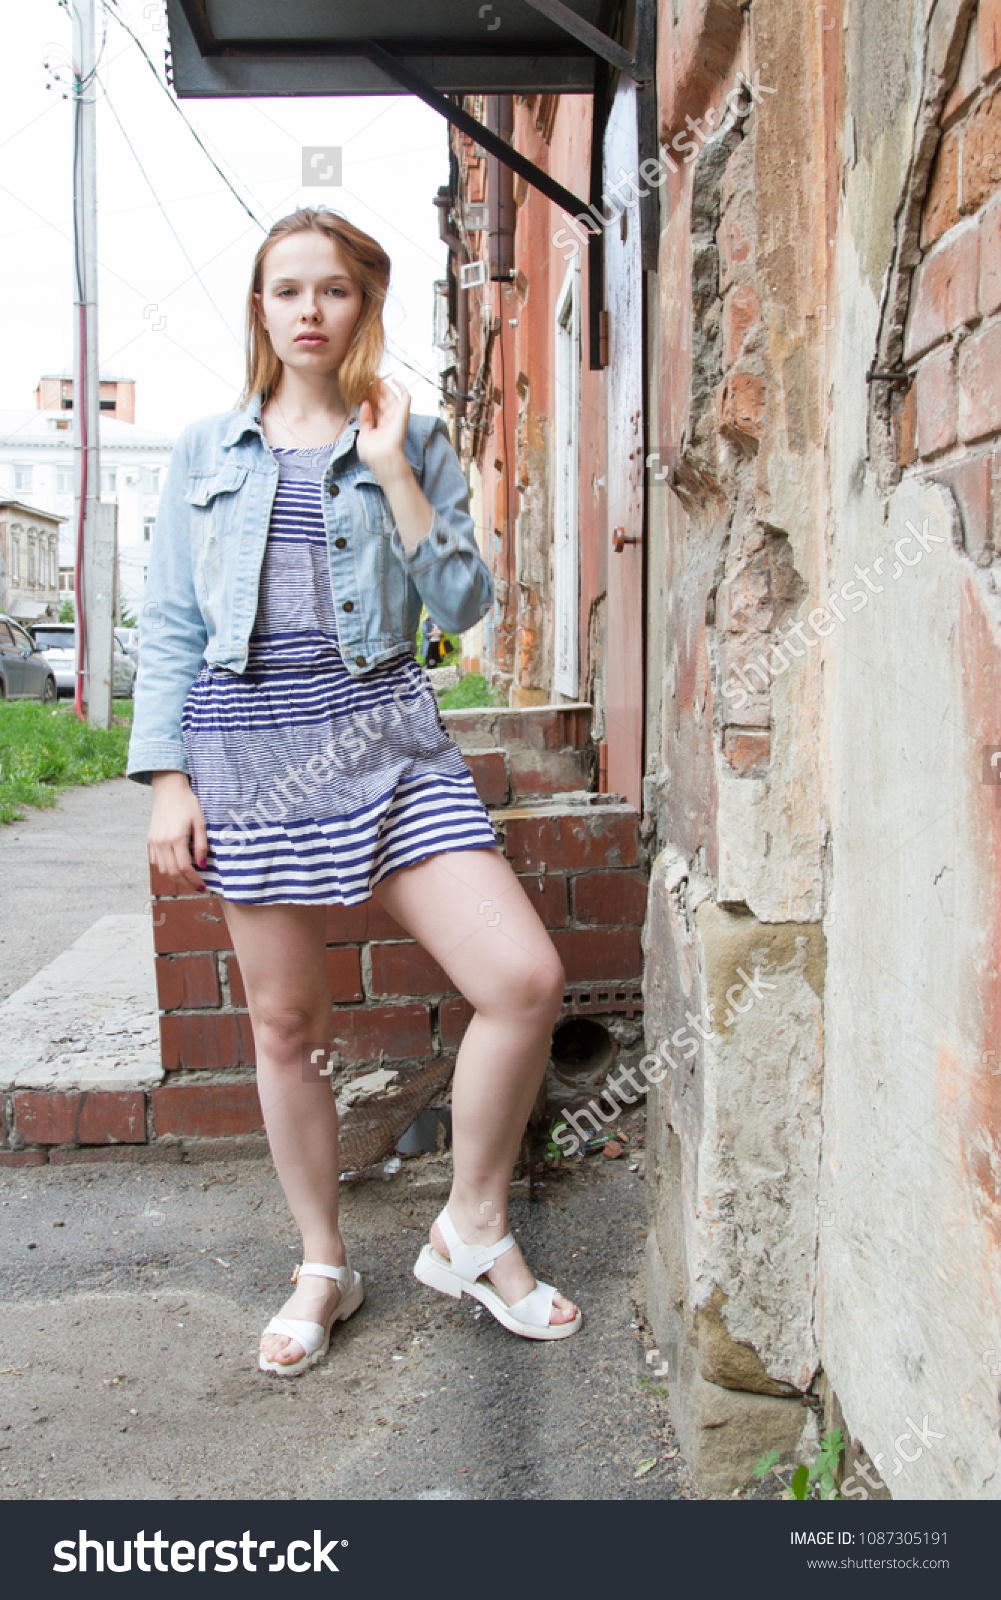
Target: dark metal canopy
x=305, y=47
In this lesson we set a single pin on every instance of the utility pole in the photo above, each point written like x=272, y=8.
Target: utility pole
x=95, y=561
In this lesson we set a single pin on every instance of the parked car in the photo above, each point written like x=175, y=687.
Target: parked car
x=128, y=638
x=58, y=641
x=25, y=674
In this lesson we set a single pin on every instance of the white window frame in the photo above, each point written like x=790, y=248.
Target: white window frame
x=19, y=468
x=566, y=478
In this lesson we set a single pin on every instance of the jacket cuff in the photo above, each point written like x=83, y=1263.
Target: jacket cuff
x=147, y=757
x=439, y=541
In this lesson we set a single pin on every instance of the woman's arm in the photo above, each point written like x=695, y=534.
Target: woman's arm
x=435, y=536
x=172, y=633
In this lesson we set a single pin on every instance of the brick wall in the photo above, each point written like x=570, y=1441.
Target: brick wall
x=579, y=864
x=949, y=416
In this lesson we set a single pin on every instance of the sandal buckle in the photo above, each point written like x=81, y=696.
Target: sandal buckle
x=295, y=1275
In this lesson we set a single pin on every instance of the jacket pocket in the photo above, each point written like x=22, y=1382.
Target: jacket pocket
x=215, y=504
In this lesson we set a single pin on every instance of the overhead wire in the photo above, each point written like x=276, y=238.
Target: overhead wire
x=170, y=225
x=115, y=12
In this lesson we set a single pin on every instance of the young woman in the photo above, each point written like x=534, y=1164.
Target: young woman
x=298, y=759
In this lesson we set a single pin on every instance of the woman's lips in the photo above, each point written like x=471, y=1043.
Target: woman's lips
x=310, y=338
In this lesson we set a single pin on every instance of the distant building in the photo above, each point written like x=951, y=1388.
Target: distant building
x=29, y=561
x=37, y=471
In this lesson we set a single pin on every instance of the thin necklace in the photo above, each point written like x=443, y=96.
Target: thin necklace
x=298, y=436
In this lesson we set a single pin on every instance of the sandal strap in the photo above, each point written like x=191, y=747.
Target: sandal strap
x=318, y=1269
x=537, y=1306
x=471, y=1261
x=309, y=1334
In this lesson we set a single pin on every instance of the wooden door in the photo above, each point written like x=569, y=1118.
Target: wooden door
x=624, y=469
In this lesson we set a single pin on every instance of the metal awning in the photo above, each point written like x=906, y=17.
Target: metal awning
x=306, y=47
x=253, y=48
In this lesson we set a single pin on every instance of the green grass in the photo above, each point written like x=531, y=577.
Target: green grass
x=471, y=691
x=45, y=750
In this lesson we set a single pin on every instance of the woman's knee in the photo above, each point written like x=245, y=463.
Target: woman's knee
x=536, y=993
x=285, y=1029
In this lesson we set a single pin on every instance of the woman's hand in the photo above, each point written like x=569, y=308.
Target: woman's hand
x=382, y=430
x=177, y=834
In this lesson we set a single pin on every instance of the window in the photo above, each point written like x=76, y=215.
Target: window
x=53, y=569
x=15, y=559
x=109, y=482
x=64, y=480
x=32, y=570
x=21, y=639
x=5, y=635
x=566, y=453
x=151, y=480
x=149, y=523
x=22, y=480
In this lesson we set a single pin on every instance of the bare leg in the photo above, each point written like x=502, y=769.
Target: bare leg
x=282, y=955
x=470, y=912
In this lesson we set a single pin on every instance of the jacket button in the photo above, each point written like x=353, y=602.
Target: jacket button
x=334, y=489
x=442, y=538
x=360, y=661
x=348, y=605
x=340, y=542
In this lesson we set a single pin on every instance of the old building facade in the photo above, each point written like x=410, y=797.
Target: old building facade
x=754, y=528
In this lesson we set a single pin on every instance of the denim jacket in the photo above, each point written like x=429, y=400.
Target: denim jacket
x=208, y=547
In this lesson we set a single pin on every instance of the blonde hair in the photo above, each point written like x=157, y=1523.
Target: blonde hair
x=369, y=267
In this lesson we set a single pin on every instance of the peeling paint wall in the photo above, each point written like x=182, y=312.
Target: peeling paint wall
x=825, y=1161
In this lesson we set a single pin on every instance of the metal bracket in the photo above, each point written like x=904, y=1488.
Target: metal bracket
x=491, y=142
x=597, y=42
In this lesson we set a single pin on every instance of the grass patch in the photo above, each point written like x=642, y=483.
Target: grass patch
x=471, y=691
x=45, y=750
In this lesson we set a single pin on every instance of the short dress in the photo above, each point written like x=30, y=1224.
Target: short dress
x=314, y=784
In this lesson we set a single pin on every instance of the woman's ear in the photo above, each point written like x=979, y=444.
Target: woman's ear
x=260, y=308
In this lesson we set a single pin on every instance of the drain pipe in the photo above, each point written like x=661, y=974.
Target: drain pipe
x=499, y=119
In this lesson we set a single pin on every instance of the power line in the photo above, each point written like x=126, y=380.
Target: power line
x=170, y=225
x=190, y=126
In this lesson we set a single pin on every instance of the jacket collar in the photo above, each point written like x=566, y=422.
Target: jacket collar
x=249, y=421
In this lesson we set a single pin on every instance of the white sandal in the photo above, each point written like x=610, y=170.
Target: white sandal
x=314, y=1336
x=462, y=1274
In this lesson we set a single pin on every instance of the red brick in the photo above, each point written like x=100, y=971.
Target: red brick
x=206, y=1039
x=610, y=899
x=546, y=772
x=551, y=900
x=742, y=408
x=980, y=385
x=399, y=969
x=944, y=293
x=3, y=1124
x=160, y=884
x=968, y=78
x=357, y=924
x=746, y=752
x=936, y=402
x=989, y=298
x=970, y=482
x=87, y=1116
x=207, y=1110
x=904, y=411
x=399, y=1032
x=489, y=771
x=592, y=837
x=989, y=35
x=188, y=981
x=193, y=924
x=981, y=168
x=596, y=955
x=454, y=1017
x=741, y=314
x=941, y=210
x=24, y=1158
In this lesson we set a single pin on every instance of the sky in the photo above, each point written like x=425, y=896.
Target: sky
x=176, y=325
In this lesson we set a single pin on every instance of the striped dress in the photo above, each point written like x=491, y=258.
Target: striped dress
x=315, y=785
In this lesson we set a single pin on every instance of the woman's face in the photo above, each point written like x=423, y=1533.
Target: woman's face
x=309, y=303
